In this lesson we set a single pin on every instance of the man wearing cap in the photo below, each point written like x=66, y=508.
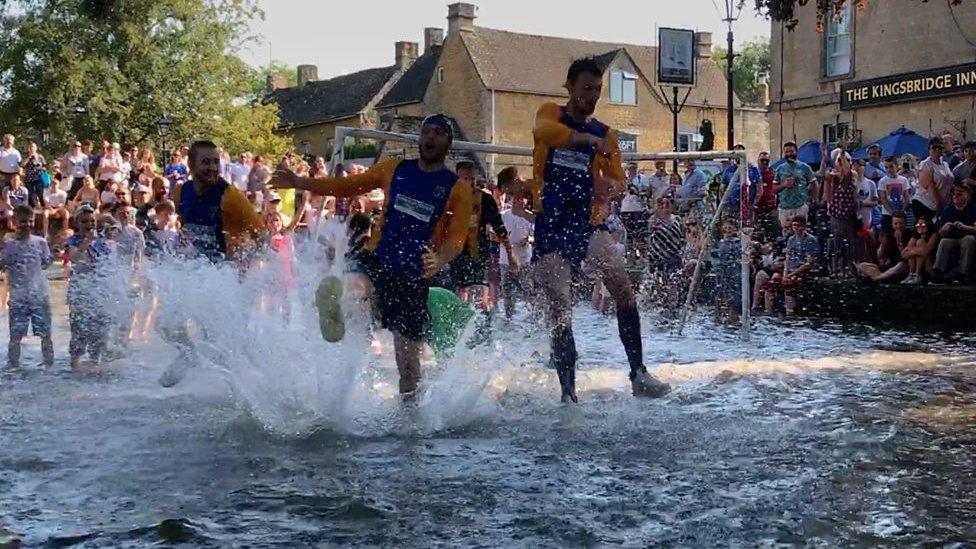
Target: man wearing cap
x=422, y=227
x=957, y=230
x=576, y=170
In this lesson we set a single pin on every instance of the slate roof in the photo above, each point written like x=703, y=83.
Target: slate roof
x=332, y=99
x=412, y=86
x=526, y=63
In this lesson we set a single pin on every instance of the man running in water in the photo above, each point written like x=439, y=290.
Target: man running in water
x=423, y=227
x=219, y=223
x=576, y=165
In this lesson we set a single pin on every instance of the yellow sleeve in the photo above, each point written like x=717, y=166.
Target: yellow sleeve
x=240, y=219
x=548, y=130
x=611, y=166
x=378, y=176
x=460, y=206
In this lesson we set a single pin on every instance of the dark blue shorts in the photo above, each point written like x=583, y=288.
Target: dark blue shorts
x=31, y=313
x=401, y=300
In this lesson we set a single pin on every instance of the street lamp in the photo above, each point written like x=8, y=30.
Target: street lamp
x=733, y=9
x=163, y=125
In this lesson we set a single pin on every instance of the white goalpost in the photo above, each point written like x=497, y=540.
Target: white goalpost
x=742, y=157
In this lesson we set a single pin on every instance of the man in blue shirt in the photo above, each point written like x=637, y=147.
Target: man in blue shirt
x=957, y=229
x=694, y=186
x=874, y=170
x=731, y=179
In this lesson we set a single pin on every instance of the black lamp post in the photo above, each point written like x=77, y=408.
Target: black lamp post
x=733, y=8
x=163, y=125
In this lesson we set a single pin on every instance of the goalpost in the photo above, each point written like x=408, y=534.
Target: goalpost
x=745, y=233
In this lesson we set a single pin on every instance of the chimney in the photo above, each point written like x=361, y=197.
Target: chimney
x=275, y=81
x=307, y=74
x=703, y=45
x=433, y=37
x=406, y=54
x=460, y=17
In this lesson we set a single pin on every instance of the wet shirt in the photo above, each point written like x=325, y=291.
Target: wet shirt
x=218, y=222
x=421, y=209
x=799, y=194
x=25, y=261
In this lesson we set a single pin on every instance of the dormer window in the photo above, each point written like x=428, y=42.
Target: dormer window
x=623, y=87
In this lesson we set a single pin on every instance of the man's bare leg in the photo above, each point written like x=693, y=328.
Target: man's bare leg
x=554, y=279
x=408, y=364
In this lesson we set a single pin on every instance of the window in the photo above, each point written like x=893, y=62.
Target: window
x=623, y=87
x=689, y=141
x=837, y=43
x=440, y=75
x=306, y=148
x=836, y=133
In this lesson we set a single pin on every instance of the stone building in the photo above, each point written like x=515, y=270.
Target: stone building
x=874, y=69
x=310, y=111
x=492, y=82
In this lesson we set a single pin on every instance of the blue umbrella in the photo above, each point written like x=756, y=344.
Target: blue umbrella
x=808, y=153
x=897, y=143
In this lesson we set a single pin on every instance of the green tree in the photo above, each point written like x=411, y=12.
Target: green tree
x=250, y=127
x=752, y=63
x=112, y=68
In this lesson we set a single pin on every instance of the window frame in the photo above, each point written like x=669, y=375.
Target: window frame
x=623, y=77
x=440, y=75
x=693, y=138
x=825, y=57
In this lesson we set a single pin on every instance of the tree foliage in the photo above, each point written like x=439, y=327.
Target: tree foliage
x=785, y=10
x=752, y=63
x=260, y=79
x=112, y=68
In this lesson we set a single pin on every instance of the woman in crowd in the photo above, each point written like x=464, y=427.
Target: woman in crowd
x=88, y=194
x=111, y=168
x=75, y=166
x=840, y=193
x=919, y=255
x=33, y=166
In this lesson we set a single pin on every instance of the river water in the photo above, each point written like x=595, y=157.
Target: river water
x=809, y=435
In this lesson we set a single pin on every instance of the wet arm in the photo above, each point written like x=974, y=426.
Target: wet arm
x=378, y=176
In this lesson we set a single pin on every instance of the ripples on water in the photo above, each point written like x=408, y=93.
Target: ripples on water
x=811, y=434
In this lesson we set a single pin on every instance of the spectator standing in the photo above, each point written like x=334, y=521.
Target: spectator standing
x=694, y=186
x=638, y=180
x=867, y=201
x=665, y=239
x=892, y=193
x=75, y=165
x=736, y=205
x=96, y=159
x=520, y=226
x=111, y=168
x=795, y=185
x=24, y=259
x=957, y=238
x=767, y=220
x=659, y=181
x=257, y=179
x=176, y=171
x=934, y=183
x=240, y=170
x=874, y=169
x=840, y=192
x=950, y=157
x=34, y=166
x=10, y=160
x=965, y=172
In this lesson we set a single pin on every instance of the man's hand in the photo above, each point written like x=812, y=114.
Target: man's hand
x=285, y=179
x=601, y=146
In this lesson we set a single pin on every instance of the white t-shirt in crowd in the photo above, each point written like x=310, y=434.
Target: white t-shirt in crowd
x=10, y=160
x=866, y=190
x=76, y=166
x=520, y=231
x=897, y=190
x=943, y=178
x=55, y=197
x=632, y=203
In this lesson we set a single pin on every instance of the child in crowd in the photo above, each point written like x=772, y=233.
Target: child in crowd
x=162, y=237
x=728, y=267
x=283, y=277
x=24, y=258
x=86, y=311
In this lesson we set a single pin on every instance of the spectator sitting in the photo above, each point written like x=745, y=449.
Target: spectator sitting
x=802, y=250
x=957, y=233
x=890, y=267
x=918, y=254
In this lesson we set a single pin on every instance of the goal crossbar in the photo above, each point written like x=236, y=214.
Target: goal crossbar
x=342, y=132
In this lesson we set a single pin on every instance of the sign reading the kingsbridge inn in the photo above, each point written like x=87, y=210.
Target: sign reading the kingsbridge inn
x=960, y=79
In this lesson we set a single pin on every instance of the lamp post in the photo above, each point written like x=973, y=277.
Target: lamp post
x=163, y=125
x=733, y=8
